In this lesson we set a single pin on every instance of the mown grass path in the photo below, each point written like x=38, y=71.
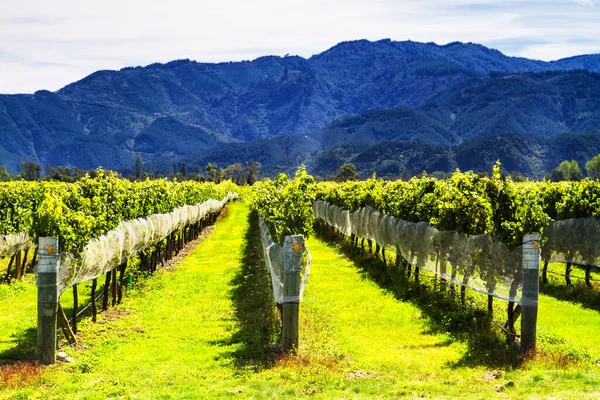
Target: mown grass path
x=390, y=343
x=203, y=331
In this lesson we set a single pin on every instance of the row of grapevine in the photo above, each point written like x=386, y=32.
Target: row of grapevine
x=285, y=204
x=460, y=212
x=78, y=212
x=284, y=208
x=563, y=212
x=98, y=225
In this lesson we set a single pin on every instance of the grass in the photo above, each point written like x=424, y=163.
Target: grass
x=18, y=321
x=577, y=292
x=205, y=329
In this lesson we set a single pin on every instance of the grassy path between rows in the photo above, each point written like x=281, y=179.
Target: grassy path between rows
x=205, y=329
x=391, y=342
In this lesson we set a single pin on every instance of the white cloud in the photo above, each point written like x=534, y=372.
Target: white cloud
x=555, y=51
x=64, y=40
x=588, y=3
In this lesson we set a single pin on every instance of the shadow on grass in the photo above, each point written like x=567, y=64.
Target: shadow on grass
x=442, y=307
x=588, y=297
x=24, y=349
x=252, y=297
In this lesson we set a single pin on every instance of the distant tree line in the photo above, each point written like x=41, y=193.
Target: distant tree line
x=249, y=173
x=31, y=171
x=245, y=174
x=570, y=170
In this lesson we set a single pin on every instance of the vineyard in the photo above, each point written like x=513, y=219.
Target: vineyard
x=344, y=289
x=471, y=231
x=94, y=227
x=79, y=213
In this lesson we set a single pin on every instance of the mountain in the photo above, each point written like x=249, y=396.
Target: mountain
x=545, y=103
x=396, y=124
x=169, y=111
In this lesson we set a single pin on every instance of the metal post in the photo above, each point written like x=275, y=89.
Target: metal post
x=293, y=247
x=531, y=289
x=47, y=284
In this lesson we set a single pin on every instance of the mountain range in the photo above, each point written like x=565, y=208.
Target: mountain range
x=347, y=103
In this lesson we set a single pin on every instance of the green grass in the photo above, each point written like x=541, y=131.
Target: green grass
x=18, y=321
x=577, y=292
x=205, y=331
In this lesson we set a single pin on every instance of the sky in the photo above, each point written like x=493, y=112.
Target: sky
x=49, y=44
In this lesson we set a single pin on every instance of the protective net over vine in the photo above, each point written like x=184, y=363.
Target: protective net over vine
x=12, y=244
x=274, y=258
x=114, y=248
x=574, y=241
x=477, y=262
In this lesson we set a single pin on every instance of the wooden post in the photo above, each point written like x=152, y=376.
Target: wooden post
x=531, y=289
x=588, y=276
x=46, y=279
x=122, y=269
x=292, y=261
x=10, y=263
x=94, y=308
x=106, y=291
x=18, y=265
x=34, y=259
x=545, y=272
x=75, y=308
x=113, y=290
x=24, y=265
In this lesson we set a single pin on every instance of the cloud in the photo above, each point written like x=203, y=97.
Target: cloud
x=555, y=51
x=66, y=39
x=28, y=20
x=589, y=3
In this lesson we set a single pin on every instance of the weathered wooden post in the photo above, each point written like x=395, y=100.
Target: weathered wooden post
x=531, y=289
x=18, y=266
x=293, y=247
x=47, y=284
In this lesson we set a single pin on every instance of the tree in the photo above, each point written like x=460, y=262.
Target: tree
x=235, y=172
x=138, y=166
x=66, y=174
x=252, y=172
x=212, y=172
x=593, y=167
x=346, y=172
x=183, y=170
x=566, y=171
x=4, y=175
x=47, y=169
x=30, y=171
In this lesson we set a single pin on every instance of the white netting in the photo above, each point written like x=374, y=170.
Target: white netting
x=274, y=259
x=477, y=262
x=574, y=241
x=114, y=248
x=13, y=243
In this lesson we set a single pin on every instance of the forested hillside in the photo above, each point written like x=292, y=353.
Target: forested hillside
x=530, y=155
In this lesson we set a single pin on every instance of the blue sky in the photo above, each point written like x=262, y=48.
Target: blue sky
x=48, y=44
